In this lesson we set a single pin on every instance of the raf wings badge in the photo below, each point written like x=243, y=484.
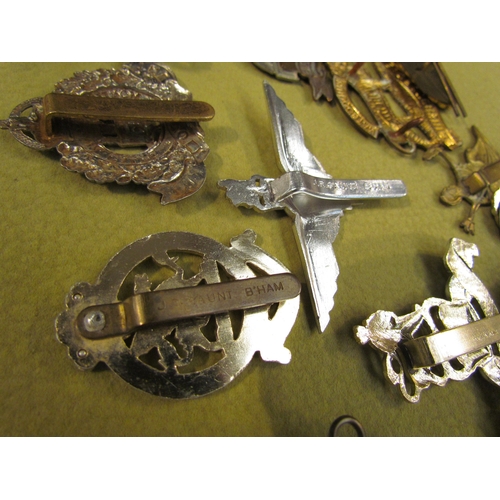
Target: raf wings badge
x=91, y=117
x=441, y=339
x=314, y=199
x=179, y=315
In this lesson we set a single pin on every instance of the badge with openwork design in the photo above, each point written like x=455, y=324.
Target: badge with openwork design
x=440, y=340
x=180, y=315
x=135, y=124
x=401, y=102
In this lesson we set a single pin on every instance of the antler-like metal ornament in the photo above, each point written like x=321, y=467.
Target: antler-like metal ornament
x=91, y=117
x=179, y=315
x=311, y=197
x=464, y=332
x=478, y=180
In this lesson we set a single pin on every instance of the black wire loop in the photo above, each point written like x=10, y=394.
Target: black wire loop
x=346, y=420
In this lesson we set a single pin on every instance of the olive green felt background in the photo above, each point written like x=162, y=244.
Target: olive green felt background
x=57, y=229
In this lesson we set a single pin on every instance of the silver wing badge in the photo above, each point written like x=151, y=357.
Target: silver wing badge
x=312, y=198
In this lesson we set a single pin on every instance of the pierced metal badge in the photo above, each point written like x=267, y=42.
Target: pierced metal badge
x=441, y=339
x=92, y=117
x=478, y=181
x=421, y=123
x=403, y=100
x=311, y=197
x=179, y=315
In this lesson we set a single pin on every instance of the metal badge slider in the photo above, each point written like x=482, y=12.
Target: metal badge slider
x=432, y=350
x=48, y=128
x=93, y=116
x=163, y=306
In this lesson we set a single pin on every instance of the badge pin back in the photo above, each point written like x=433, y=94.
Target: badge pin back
x=179, y=315
x=464, y=332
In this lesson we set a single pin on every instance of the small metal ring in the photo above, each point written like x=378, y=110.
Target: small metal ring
x=346, y=420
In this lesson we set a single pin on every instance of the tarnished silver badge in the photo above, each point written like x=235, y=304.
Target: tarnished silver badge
x=441, y=339
x=179, y=315
x=93, y=116
x=312, y=197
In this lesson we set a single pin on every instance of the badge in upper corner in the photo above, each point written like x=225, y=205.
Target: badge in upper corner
x=401, y=101
x=135, y=124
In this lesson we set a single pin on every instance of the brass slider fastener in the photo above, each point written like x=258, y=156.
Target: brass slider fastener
x=151, y=308
x=120, y=109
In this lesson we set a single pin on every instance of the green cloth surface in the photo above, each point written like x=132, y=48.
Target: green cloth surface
x=58, y=229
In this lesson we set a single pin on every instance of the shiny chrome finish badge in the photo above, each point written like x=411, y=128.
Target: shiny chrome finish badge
x=464, y=332
x=179, y=315
x=92, y=117
x=312, y=198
